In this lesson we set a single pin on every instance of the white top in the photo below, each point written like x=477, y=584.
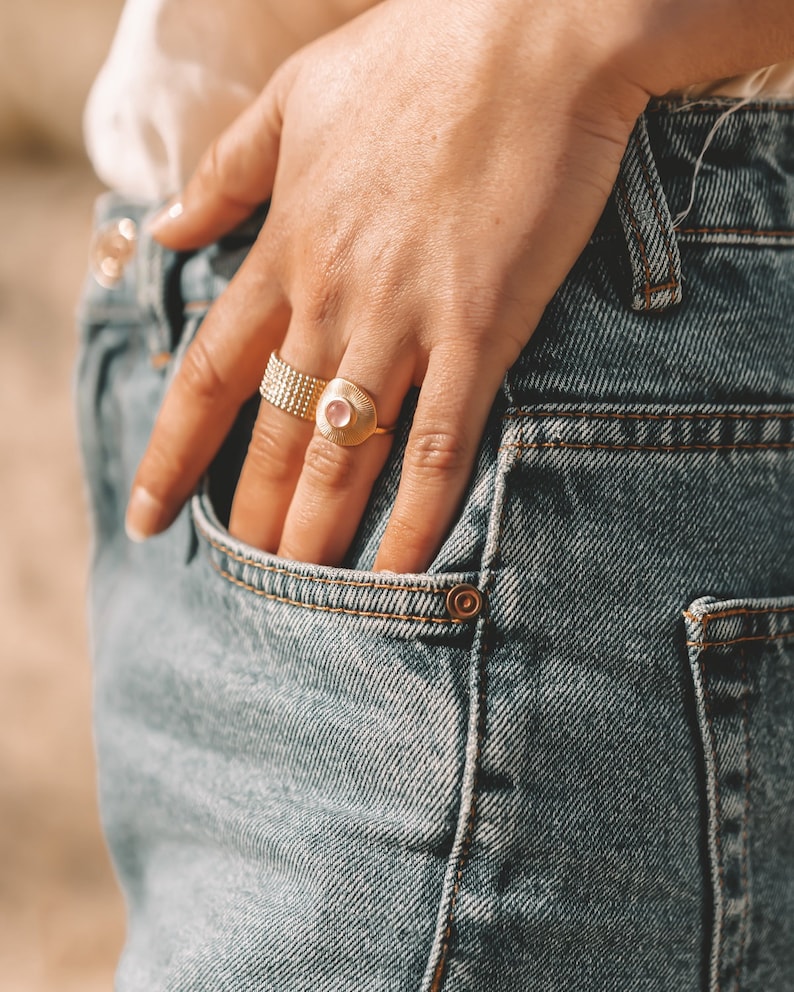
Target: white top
x=180, y=71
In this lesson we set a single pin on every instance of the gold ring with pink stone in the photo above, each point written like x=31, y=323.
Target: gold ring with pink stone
x=346, y=414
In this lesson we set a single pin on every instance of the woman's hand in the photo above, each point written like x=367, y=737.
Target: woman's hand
x=435, y=170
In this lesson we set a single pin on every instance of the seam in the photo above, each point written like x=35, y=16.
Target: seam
x=706, y=104
x=330, y=609
x=771, y=446
x=649, y=289
x=609, y=415
x=663, y=227
x=739, y=640
x=745, y=231
x=739, y=612
x=438, y=975
x=638, y=236
x=745, y=823
x=318, y=579
x=720, y=880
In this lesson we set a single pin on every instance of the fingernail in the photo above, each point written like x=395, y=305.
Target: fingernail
x=144, y=515
x=163, y=217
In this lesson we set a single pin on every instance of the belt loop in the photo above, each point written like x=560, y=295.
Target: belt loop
x=153, y=265
x=648, y=227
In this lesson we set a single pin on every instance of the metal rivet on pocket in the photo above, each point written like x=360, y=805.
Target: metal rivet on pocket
x=464, y=602
x=112, y=247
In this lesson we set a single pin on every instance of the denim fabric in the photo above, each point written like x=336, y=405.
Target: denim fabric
x=320, y=779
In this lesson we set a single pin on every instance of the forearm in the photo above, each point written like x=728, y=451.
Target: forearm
x=681, y=42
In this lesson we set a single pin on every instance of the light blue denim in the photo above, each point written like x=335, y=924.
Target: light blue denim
x=319, y=779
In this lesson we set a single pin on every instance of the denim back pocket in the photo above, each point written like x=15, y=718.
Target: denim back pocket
x=741, y=653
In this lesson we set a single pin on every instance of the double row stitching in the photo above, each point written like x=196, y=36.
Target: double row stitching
x=614, y=415
x=707, y=618
x=743, y=231
x=663, y=227
x=330, y=609
x=745, y=822
x=319, y=579
x=438, y=975
x=719, y=889
x=770, y=446
x=649, y=289
x=739, y=640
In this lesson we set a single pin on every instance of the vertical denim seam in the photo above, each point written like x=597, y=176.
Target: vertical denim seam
x=745, y=821
x=714, y=834
x=664, y=228
x=439, y=970
x=649, y=288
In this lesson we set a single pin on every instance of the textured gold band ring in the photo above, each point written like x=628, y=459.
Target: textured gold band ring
x=291, y=390
x=344, y=412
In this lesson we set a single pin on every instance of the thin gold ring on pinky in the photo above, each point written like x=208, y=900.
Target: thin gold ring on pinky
x=346, y=414
x=288, y=389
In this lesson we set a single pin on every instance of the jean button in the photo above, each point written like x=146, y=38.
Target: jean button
x=112, y=247
x=464, y=602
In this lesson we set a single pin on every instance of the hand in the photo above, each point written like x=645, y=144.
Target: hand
x=435, y=170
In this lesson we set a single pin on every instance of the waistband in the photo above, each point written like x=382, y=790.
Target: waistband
x=714, y=170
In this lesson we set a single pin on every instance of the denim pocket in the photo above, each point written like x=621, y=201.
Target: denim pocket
x=741, y=653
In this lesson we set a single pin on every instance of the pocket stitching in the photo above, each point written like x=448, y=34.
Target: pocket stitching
x=280, y=570
x=329, y=609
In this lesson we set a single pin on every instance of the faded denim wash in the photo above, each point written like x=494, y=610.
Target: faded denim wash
x=320, y=779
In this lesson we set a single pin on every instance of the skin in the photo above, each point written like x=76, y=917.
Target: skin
x=435, y=170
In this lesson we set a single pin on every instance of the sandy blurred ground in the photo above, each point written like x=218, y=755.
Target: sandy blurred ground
x=61, y=917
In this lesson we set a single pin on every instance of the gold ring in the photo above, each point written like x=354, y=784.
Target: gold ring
x=290, y=390
x=346, y=414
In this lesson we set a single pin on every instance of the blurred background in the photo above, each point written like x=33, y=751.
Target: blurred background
x=61, y=917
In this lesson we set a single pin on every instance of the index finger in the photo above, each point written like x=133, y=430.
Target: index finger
x=221, y=369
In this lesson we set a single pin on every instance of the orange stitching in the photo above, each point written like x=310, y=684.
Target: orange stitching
x=668, y=107
x=328, y=609
x=647, y=416
x=745, y=821
x=783, y=445
x=663, y=227
x=739, y=640
x=706, y=618
x=277, y=570
x=638, y=236
x=438, y=974
x=718, y=811
x=736, y=230
x=160, y=360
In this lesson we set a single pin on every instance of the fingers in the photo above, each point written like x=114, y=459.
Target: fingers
x=454, y=402
x=234, y=176
x=301, y=494
x=275, y=456
x=220, y=371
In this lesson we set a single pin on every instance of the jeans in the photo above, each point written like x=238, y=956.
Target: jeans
x=317, y=778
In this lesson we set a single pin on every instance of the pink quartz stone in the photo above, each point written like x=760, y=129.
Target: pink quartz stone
x=339, y=413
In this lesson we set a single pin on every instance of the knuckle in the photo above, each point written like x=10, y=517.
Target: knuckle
x=221, y=170
x=436, y=452
x=269, y=454
x=320, y=300
x=200, y=375
x=330, y=466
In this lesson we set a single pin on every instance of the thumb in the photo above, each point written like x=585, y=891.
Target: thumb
x=235, y=174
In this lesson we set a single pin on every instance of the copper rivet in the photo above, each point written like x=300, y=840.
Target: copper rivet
x=112, y=247
x=464, y=602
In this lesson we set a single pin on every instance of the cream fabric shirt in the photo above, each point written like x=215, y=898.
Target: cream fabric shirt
x=179, y=71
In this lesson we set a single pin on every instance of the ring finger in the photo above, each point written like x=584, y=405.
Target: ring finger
x=302, y=493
